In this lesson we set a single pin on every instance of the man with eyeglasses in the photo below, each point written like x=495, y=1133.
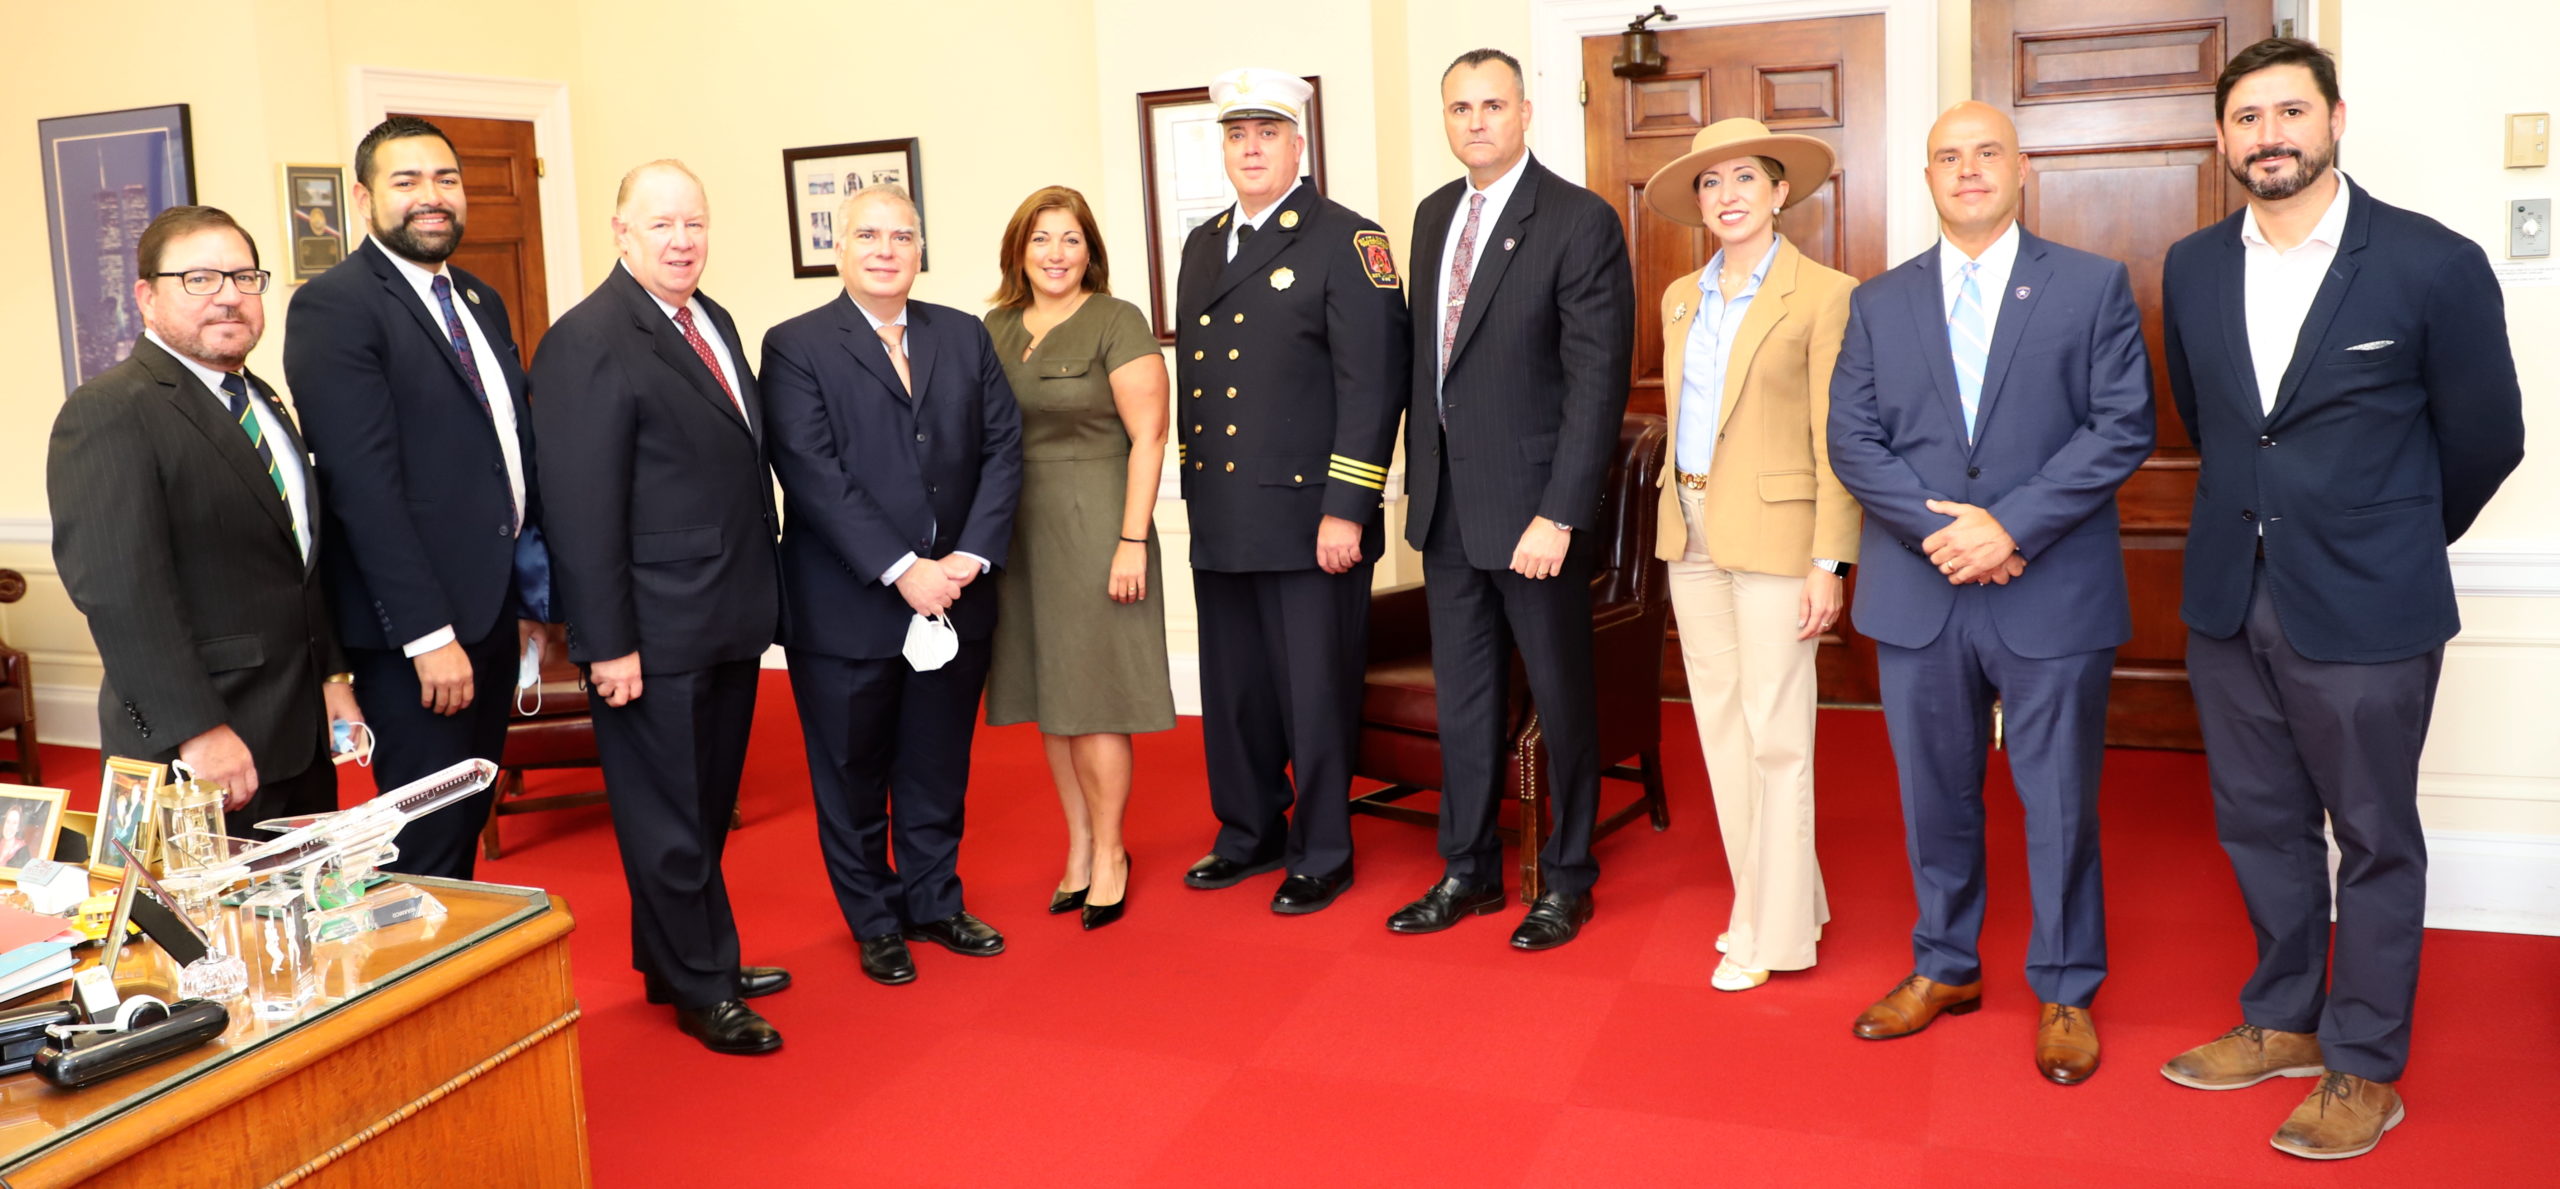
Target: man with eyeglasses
x=408, y=379
x=899, y=448
x=186, y=528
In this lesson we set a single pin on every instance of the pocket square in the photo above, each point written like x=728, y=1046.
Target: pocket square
x=2375, y=345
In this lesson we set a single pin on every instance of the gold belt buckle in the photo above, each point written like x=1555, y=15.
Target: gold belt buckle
x=1693, y=481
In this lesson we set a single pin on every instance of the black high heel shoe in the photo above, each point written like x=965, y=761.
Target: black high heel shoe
x=1062, y=903
x=1098, y=915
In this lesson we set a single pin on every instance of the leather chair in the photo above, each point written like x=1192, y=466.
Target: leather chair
x=18, y=693
x=1630, y=606
x=558, y=734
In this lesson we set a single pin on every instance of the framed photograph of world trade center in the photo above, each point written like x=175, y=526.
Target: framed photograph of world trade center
x=1183, y=159
x=106, y=176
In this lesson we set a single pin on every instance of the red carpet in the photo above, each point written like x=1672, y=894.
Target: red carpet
x=1205, y=1040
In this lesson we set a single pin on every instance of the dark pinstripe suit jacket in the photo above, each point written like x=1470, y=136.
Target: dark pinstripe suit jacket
x=171, y=540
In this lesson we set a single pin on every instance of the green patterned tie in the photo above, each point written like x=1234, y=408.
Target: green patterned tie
x=235, y=391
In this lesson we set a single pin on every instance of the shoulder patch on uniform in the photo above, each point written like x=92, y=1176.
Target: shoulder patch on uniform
x=1376, y=259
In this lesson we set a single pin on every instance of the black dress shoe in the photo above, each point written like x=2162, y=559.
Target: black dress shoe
x=1098, y=915
x=1062, y=903
x=886, y=960
x=1552, y=921
x=1447, y=903
x=1303, y=894
x=729, y=1026
x=960, y=933
x=1219, y=871
x=754, y=982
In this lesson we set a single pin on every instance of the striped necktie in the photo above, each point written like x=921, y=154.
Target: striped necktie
x=1969, y=337
x=235, y=395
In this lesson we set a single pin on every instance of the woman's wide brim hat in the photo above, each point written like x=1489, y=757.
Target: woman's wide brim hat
x=1673, y=190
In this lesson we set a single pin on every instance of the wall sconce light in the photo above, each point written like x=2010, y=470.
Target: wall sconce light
x=1639, y=52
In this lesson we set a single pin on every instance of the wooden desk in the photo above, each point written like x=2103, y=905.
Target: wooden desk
x=439, y=1053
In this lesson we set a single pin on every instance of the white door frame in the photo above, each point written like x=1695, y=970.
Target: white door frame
x=375, y=91
x=1557, y=27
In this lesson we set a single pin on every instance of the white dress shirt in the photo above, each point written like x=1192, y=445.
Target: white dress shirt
x=1243, y=220
x=289, y=465
x=710, y=334
x=1496, y=197
x=493, y=382
x=906, y=347
x=2280, y=287
x=1991, y=280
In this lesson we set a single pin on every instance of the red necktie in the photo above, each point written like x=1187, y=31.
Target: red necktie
x=702, y=347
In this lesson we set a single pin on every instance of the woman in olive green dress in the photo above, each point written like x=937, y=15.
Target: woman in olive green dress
x=1079, y=643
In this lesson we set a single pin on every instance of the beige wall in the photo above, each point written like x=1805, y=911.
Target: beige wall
x=1050, y=99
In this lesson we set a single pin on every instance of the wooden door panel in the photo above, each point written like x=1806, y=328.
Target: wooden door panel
x=502, y=227
x=2114, y=105
x=1819, y=77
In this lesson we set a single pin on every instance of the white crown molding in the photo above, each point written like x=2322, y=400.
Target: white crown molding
x=374, y=91
x=1554, y=62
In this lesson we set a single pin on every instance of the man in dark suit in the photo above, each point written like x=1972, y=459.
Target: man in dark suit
x=407, y=374
x=2343, y=368
x=899, y=446
x=659, y=514
x=186, y=529
x=1523, y=323
x=1991, y=395
x=1290, y=349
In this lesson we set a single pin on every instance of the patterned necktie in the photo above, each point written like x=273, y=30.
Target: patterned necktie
x=1969, y=337
x=702, y=347
x=1460, y=265
x=443, y=286
x=896, y=336
x=235, y=395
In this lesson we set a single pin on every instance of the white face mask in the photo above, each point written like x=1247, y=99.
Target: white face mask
x=931, y=643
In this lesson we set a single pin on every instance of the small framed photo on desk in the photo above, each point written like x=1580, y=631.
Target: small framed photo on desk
x=125, y=798
x=29, y=820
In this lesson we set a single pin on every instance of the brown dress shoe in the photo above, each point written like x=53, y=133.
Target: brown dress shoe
x=2066, y=1045
x=2345, y=1117
x=2245, y=1056
x=1914, y=1002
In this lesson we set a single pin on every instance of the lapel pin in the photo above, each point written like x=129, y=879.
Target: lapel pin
x=1288, y=220
x=1508, y=243
x=2023, y=291
x=1679, y=311
x=1282, y=278
x=472, y=294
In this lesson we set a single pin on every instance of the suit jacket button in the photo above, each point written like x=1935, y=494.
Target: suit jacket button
x=2246, y=514
x=933, y=488
x=1231, y=467
x=1973, y=472
x=506, y=530
x=2264, y=442
x=919, y=437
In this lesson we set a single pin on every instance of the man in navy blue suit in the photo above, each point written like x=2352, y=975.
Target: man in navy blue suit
x=1991, y=395
x=899, y=447
x=2342, y=366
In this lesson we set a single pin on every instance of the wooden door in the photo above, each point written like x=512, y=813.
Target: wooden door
x=1824, y=78
x=502, y=230
x=2114, y=105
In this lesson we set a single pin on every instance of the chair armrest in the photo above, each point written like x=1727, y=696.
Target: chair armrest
x=1399, y=623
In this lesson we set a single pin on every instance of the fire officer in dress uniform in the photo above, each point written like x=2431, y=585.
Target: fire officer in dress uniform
x=1293, y=357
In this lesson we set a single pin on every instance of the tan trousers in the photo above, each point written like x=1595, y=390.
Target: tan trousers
x=1751, y=685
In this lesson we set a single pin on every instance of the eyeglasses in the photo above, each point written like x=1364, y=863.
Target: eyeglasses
x=205, y=282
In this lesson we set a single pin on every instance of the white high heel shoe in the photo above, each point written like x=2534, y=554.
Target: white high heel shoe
x=1729, y=977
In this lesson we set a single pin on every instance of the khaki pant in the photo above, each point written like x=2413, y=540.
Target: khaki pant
x=1751, y=685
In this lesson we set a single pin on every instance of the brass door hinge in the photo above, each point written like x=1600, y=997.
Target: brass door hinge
x=1586, y=92
x=539, y=170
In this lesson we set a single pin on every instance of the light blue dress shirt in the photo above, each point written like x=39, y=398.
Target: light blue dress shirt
x=1712, y=331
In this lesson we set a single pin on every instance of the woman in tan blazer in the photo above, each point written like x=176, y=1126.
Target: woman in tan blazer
x=1757, y=531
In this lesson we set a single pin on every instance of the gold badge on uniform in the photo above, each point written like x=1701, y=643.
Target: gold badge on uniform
x=1679, y=311
x=1282, y=278
x=1288, y=219
x=1376, y=259
x=1222, y=221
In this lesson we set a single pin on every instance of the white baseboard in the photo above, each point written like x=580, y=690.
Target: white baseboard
x=2493, y=883
x=1186, y=681
x=67, y=715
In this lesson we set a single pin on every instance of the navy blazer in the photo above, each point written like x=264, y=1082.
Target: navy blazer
x=410, y=473
x=869, y=475
x=658, y=505
x=2394, y=424
x=2065, y=418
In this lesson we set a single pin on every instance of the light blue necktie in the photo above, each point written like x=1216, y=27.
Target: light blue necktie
x=1969, y=337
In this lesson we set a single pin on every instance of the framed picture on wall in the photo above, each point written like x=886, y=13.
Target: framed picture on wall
x=816, y=180
x=106, y=176
x=1183, y=159
x=315, y=222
